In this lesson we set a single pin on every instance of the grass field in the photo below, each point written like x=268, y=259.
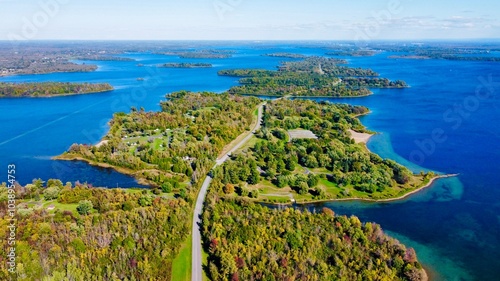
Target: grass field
x=181, y=265
x=204, y=262
x=60, y=206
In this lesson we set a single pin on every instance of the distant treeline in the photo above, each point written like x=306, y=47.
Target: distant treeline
x=352, y=53
x=286, y=55
x=103, y=58
x=186, y=65
x=48, y=89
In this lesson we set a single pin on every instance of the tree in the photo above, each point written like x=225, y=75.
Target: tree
x=228, y=188
x=312, y=180
x=302, y=187
x=84, y=207
x=54, y=182
x=281, y=181
x=183, y=193
x=166, y=187
x=145, y=200
x=254, y=193
x=311, y=161
x=290, y=164
x=51, y=193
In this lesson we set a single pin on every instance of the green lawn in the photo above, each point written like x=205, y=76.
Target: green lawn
x=249, y=144
x=181, y=265
x=60, y=206
x=204, y=262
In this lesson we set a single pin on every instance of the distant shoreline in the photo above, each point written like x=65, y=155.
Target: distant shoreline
x=55, y=96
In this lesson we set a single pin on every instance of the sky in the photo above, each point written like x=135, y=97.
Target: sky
x=249, y=19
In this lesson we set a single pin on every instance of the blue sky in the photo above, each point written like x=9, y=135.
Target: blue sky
x=249, y=19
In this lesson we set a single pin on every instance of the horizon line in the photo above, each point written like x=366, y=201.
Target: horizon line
x=260, y=40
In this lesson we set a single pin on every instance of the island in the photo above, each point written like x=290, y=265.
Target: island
x=453, y=51
x=186, y=65
x=351, y=53
x=50, y=89
x=311, y=77
x=453, y=57
x=286, y=55
x=200, y=54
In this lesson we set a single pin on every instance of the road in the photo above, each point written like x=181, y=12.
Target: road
x=196, y=267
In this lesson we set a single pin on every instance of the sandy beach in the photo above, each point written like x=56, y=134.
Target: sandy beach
x=360, y=137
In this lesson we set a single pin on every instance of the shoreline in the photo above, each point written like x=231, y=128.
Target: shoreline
x=358, y=137
x=292, y=96
x=50, y=72
x=125, y=171
x=369, y=200
x=59, y=95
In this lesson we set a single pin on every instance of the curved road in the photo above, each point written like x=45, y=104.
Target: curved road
x=196, y=267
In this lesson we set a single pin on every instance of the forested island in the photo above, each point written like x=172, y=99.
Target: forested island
x=351, y=53
x=286, y=55
x=453, y=51
x=186, y=65
x=50, y=89
x=200, y=54
x=453, y=57
x=313, y=77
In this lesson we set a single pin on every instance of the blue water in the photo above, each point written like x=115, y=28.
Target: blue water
x=442, y=123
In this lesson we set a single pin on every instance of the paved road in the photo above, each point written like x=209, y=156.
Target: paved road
x=196, y=268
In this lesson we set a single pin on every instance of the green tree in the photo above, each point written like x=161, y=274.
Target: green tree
x=166, y=187
x=51, y=193
x=84, y=207
x=145, y=200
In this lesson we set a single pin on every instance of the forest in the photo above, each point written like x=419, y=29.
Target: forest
x=329, y=166
x=248, y=241
x=286, y=55
x=49, y=89
x=351, y=53
x=175, y=147
x=77, y=232
x=200, y=54
x=313, y=76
